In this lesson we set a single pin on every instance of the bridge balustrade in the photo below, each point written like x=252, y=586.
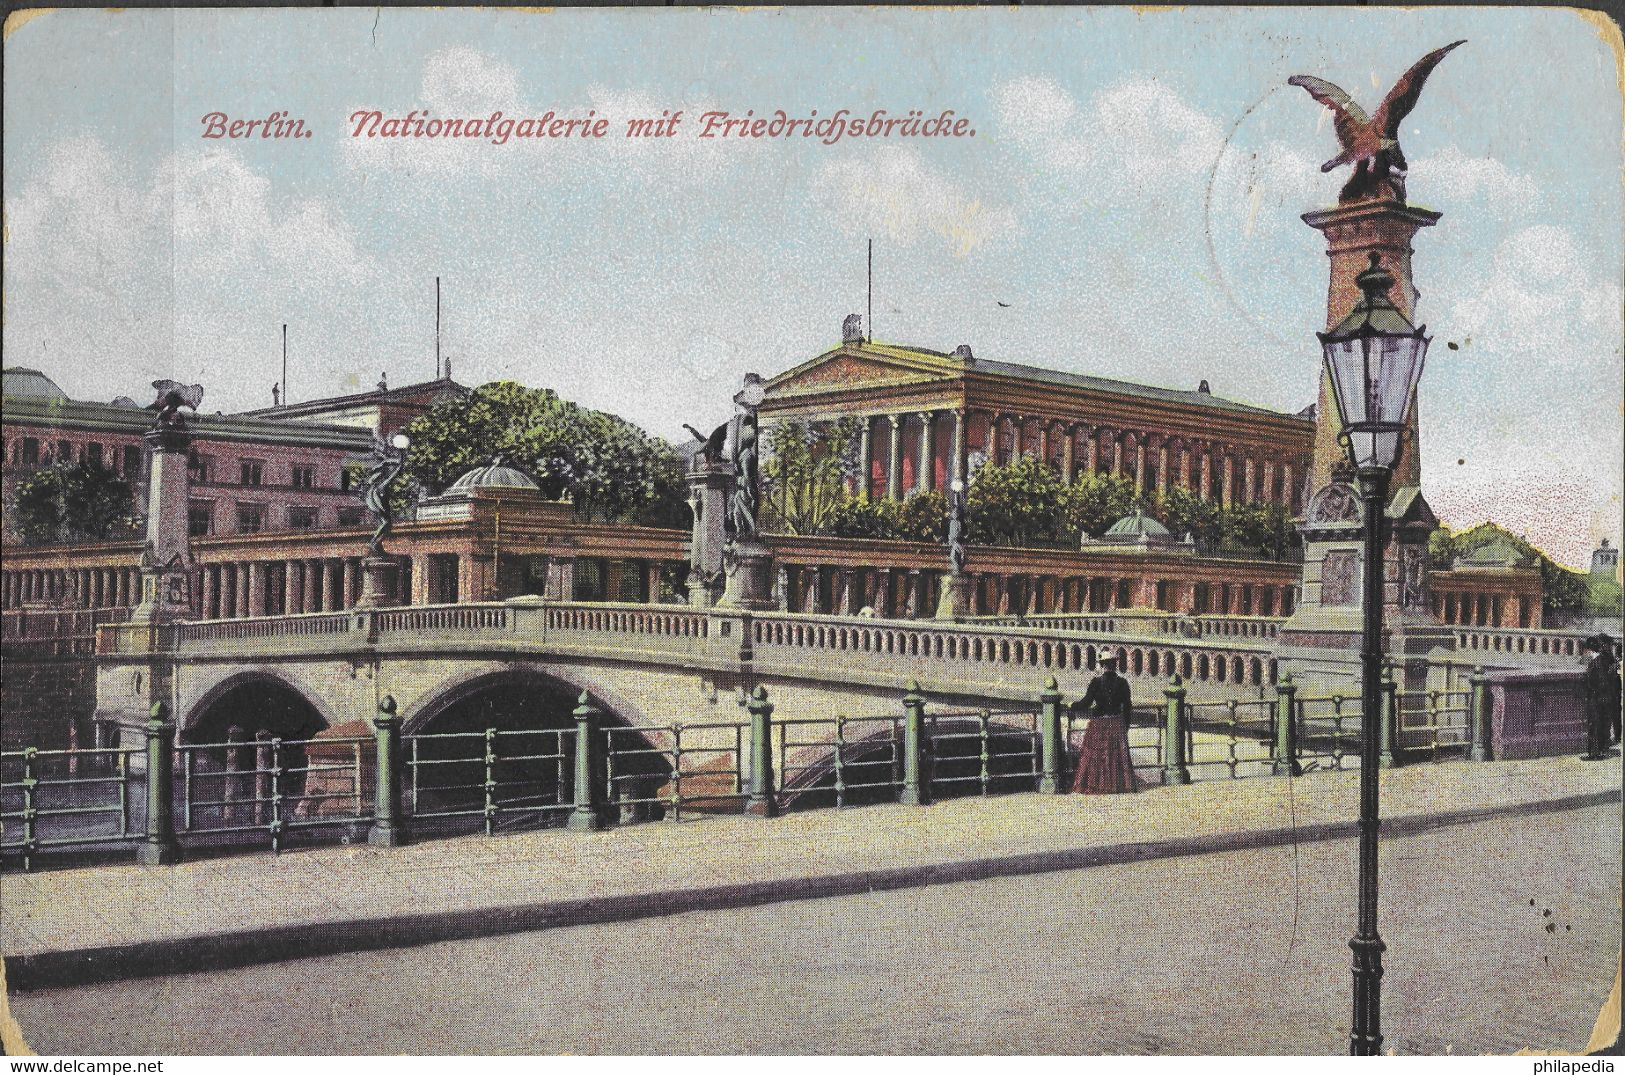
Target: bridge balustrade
x=1516, y=641
x=276, y=792
x=299, y=626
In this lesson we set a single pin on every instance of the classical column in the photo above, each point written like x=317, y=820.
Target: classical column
x=1139, y=462
x=211, y=591
x=865, y=458
x=1249, y=481
x=1162, y=466
x=1117, y=453
x=653, y=576
x=956, y=465
x=1043, y=441
x=1288, y=494
x=923, y=472
x=1268, y=480
x=894, y=463
x=251, y=597
x=1001, y=594
x=1225, y=494
x=1067, y=451
x=350, y=565
x=1091, y=449
x=290, y=602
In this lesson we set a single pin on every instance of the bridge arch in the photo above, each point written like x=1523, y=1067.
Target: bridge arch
x=254, y=700
x=563, y=681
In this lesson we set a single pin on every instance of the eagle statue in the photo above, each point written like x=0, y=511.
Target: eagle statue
x=172, y=396
x=1371, y=143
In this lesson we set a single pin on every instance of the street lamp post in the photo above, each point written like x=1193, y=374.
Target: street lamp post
x=1374, y=357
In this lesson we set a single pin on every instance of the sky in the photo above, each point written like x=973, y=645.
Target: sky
x=1132, y=191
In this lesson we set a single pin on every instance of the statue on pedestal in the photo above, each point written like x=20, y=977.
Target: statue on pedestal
x=378, y=569
x=1371, y=143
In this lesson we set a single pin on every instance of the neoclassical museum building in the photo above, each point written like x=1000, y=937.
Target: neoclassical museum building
x=275, y=529
x=925, y=414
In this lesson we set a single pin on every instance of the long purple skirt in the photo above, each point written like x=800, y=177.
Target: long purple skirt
x=1104, y=766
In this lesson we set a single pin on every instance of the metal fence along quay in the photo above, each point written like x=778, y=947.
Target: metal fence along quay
x=166, y=798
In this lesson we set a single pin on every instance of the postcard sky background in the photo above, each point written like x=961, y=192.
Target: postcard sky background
x=1133, y=193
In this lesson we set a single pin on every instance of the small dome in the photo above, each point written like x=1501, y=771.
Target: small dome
x=1137, y=526
x=18, y=381
x=494, y=475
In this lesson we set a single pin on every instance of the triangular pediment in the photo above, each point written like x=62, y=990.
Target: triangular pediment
x=859, y=366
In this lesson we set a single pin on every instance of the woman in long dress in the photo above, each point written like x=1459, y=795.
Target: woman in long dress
x=1104, y=765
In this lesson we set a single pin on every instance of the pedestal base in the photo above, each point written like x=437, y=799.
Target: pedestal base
x=749, y=569
x=954, y=604
x=378, y=582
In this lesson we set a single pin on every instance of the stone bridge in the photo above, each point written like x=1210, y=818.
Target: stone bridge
x=647, y=666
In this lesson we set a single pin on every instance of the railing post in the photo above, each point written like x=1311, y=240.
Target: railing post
x=1174, y=769
x=1049, y=718
x=388, y=826
x=586, y=817
x=916, y=777
x=1478, y=712
x=1387, y=757
x=761, y=801
x=159, y=847
x=1286, y=729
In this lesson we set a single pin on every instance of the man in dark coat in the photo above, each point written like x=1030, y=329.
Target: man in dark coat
x=1602, y=689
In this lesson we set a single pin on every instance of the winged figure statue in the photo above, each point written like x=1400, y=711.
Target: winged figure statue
x=172, y=396
x=1371, y=143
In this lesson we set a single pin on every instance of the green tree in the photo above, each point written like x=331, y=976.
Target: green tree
x=922, y=517
x=609, y=468
x=806, y=471
x=1563, y=591
x=1262, y=529
x=1094, y=502
x=1183, y=512
x=1021, y=503
x=854, y=518
x=73, y=502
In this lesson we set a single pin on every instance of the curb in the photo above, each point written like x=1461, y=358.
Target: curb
x=182, y=955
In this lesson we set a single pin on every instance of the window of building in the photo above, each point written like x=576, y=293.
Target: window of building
x=93, y=454
x=347, y=477
x=198, y=467
x=200, y=518
x=304, y=477
x=64, y=451
x=30, y=450
x=301, y=518
x=132, y=461
x=253, y=472
x=350, y=517
x=250, y=518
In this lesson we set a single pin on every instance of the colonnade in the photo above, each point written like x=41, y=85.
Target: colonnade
x=913, y=593
x=1486, y=609
x=912, y=451
x=81, y=587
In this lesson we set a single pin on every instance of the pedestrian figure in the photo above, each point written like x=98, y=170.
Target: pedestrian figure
x=1602, y=690
x=1104, y=765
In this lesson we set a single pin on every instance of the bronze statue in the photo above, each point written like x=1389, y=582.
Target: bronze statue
x=387, y=464
x=743, y=449
x=1371, y=143
x=172, y=396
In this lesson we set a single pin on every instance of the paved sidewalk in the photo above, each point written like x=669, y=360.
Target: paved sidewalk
x=74, y=926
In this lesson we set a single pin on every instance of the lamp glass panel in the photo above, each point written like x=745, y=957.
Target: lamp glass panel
x=1345, y=361
x=1398, y=371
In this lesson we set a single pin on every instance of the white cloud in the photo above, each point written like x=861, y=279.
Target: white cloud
x=1450, y=176
x=113, y=278
x=1135, y=133
x=1541, y=305
x=892, y=192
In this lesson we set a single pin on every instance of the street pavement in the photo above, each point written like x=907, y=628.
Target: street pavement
x=1503, y=934
x=72, y=926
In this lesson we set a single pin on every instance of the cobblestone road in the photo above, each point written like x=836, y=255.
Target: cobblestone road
x=1183, y=955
